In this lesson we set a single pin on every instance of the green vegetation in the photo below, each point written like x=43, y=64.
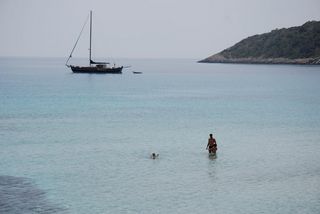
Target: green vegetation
x=293, y=43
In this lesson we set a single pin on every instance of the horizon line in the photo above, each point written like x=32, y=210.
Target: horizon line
x=60, y=57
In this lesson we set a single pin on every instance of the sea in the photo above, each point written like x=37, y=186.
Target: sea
x=81, y=143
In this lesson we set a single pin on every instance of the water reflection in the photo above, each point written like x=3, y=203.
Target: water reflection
x=212, y=156
x=212, y=162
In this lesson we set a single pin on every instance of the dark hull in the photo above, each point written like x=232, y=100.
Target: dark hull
x=96, y=70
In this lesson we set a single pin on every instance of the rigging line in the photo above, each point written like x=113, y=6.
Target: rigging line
x=77, y=40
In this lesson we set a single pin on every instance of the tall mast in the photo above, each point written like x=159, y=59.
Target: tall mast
x=90, y=36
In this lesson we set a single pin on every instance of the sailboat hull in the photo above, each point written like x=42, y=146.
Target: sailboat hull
x=96, y=70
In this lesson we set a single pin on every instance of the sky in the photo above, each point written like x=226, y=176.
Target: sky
x=142, y=28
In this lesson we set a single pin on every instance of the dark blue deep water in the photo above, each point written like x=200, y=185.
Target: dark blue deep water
x=80, y=143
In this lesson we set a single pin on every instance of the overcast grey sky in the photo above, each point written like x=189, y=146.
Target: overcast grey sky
x=142, y=28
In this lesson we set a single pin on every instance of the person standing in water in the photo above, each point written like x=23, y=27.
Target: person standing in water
x=212, y=145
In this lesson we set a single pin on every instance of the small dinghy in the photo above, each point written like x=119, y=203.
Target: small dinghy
x=136, y=72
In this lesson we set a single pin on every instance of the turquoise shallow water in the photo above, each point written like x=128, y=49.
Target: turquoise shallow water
x=80, y=143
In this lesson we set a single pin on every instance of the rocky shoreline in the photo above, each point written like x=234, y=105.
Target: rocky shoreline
x=219, y=58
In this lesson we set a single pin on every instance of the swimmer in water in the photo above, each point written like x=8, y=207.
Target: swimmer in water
x=154, y=155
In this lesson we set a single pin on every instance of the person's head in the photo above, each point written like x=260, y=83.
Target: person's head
x=210, y=135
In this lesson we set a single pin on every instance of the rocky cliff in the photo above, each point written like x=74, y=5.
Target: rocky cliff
x=295, y=45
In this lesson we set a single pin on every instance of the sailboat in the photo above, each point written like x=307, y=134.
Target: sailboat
x=94, y=67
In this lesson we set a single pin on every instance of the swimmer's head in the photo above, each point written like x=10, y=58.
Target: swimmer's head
x=154, y=155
